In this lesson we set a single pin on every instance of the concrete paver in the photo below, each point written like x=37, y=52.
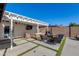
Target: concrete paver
x=18, y=42
x=19, y=49
x=2, y=52
x=56, y=46
x=71, y=48
x=40, y=51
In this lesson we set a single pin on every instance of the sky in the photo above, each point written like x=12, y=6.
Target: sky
x=52, y=13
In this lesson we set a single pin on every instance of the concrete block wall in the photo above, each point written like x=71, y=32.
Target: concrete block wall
x=43, y=29
x=74, y=31
x=67, y=31
x=60, y=30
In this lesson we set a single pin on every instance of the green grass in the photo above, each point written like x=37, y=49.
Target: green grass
x=61, y=47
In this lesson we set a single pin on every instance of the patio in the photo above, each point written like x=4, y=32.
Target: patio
x=28, y=47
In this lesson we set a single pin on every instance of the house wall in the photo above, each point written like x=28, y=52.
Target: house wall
x=1, y=31
x=2, y=24
x=33, y=30
x=19, y=30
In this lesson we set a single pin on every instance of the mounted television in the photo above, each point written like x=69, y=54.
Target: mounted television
x=29, y=27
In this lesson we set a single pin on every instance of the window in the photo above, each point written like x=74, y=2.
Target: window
x=28, y=27
x=6, y=30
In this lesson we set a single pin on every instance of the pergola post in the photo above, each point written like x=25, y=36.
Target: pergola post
x=47, y=28
x=37, y=28
x=11, y=33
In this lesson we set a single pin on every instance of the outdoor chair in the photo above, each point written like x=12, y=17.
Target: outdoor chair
x=54, y=38
x=42, y=37
x=49, y=39
x=77, y=37
x=60, y=37
x=33, y=36
x=27, y=35
x=38, y=37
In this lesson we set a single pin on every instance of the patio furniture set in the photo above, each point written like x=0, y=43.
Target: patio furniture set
x=49, y=37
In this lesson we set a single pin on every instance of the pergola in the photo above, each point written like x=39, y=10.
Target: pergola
x=15, y=17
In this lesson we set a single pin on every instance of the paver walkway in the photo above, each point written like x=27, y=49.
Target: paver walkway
x=40, y=51
x=71, y=48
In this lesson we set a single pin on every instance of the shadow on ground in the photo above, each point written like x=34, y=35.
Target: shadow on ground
x=5, y=44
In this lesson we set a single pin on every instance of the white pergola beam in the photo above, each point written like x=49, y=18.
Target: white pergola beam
x=24, y=19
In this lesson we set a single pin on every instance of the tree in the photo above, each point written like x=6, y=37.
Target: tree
x=73, y=24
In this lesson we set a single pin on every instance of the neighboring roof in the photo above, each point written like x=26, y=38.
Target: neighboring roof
x=22, y=18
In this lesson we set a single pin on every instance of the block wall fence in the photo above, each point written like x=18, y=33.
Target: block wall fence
x=66, y=30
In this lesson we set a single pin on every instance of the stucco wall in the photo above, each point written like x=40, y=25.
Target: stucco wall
x=1, y=35
x=33, y=30
x=19, y=30
x=2, y=24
